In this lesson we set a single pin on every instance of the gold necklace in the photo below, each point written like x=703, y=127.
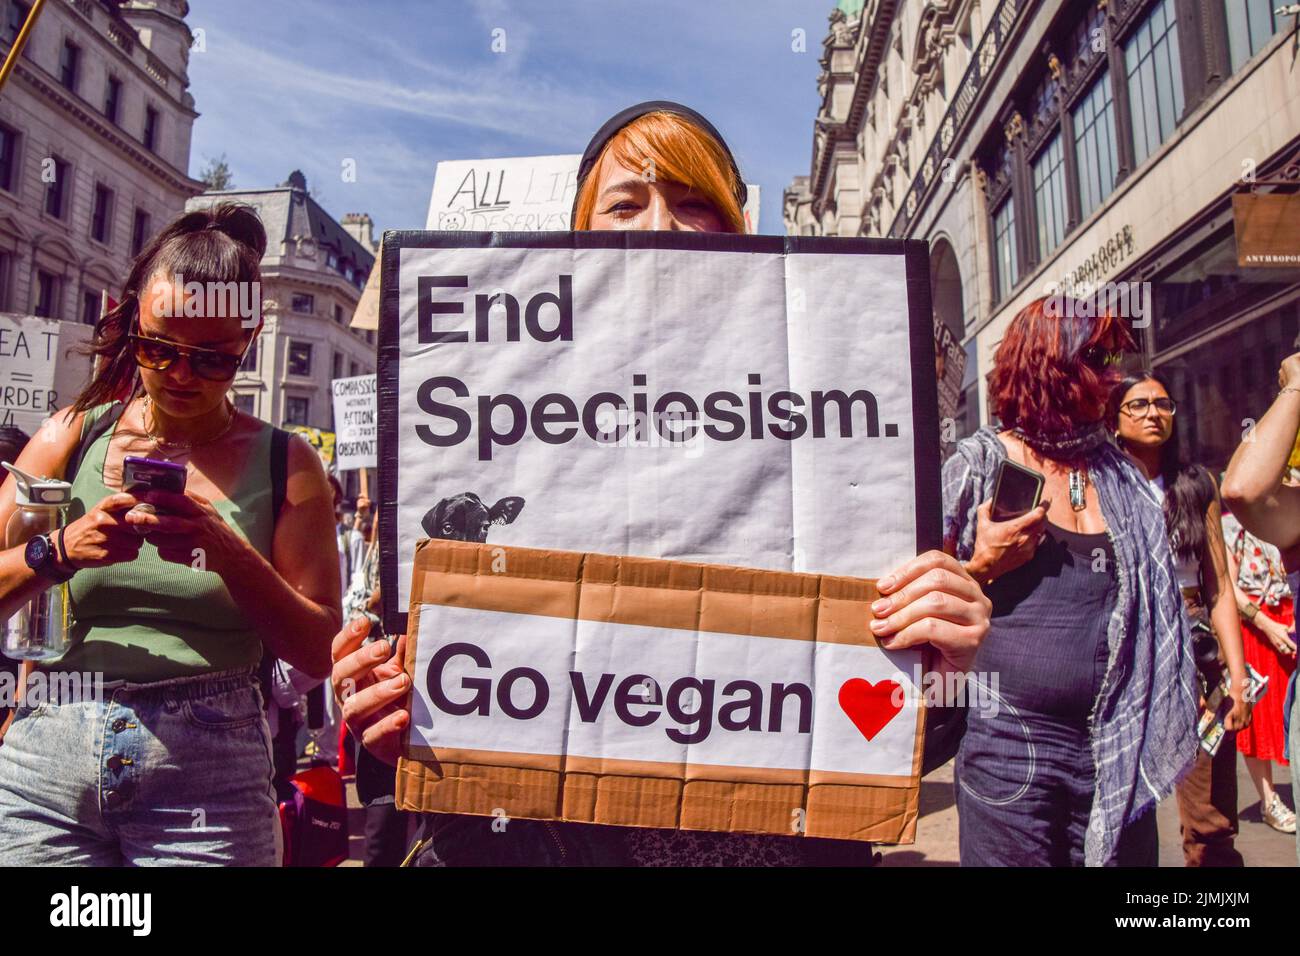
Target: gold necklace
x=181, y=446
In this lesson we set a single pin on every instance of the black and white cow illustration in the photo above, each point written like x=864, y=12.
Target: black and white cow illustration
x=464, y=517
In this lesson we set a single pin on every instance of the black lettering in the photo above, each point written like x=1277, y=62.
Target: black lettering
x=426, y=308
x=641, y=690
x=483, y=312
x=777, y=708
x=752, y=703
x=702, y=716
x=590, y=425
x=505, y=699
x=424, y=398
x=845, y=403
x=487, y=433
x=712, y=410
x=781, y=405
x=563, y=331
x=480, y=703
x=689, y=416
x=589, y=707
x=541, y=418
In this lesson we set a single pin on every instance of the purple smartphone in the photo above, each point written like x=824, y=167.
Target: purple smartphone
x=150, y=474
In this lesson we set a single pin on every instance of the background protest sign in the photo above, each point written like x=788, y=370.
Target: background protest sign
x=641, y=692
x=355, y=428
x=29, y=349
x=515, y=194
x=756, y=401
x=320, y=440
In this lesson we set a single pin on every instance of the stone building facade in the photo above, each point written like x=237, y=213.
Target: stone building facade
x=1075, y=146
x=95, y=127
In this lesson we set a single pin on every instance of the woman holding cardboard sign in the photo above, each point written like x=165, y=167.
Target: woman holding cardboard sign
x=658, y=167
x=1095, y=681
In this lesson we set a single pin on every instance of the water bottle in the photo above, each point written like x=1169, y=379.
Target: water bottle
x=39, y=630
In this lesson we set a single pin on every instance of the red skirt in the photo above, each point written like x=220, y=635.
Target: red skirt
x=1263, y=738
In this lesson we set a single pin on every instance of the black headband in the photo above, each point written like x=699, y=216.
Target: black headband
x=619, y=120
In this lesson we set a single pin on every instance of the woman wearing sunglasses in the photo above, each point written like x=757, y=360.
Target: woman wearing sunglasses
x=1095, y=685
x=174, y=598
x=1142, y=414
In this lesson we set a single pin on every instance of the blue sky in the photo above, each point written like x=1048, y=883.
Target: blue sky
x=399, y=85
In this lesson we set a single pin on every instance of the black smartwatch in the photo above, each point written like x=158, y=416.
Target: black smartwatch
x=41, y=558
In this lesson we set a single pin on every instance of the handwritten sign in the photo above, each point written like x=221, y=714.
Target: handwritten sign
x=29, y=349
x=354, y=422
x=515, y=194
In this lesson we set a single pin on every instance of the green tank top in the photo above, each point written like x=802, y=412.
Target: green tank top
x=150, y=619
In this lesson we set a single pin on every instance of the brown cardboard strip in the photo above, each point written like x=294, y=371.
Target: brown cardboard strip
x=658, y=593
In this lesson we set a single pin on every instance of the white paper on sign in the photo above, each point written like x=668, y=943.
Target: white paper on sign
x=735, y=400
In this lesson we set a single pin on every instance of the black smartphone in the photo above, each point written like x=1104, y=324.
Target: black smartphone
x=1016, y=492
x=146, y=474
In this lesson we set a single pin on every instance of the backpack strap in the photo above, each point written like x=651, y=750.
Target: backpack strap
x=279, y=480
x=91, y=435
x=279, y=469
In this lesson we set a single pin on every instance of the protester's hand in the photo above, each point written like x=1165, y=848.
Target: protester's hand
x=932, y=599
x=1278, y=635
x=1288, y=376
x=1239, y=717
x=187, y=529
x=372, y=689
x=102, y=536
x=1002, y=546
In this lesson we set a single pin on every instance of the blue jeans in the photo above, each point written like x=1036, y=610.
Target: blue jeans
x=176, y=772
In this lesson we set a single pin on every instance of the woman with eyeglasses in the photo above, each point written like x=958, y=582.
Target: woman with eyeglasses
x=174, y=597
x=1086, y=658
x=1142, y=415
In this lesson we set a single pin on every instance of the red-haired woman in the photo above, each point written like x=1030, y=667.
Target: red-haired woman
x=1087, y=662
x=696, y=187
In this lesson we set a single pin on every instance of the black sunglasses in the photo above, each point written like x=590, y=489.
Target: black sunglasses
x=158, y=355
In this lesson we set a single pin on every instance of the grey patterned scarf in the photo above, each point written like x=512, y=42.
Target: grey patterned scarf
x=1143, y=724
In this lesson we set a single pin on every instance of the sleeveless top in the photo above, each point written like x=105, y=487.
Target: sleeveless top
x=149, y=619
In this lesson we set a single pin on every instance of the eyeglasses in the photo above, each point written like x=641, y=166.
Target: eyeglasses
x=1099, y=358
x=1137, y=407
x=158, y=355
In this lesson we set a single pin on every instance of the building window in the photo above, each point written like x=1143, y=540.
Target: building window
x=47, y=294
x=1155, y=79
x=299, y=358
x=101, y=219
x=6, y=265
x=112, y=99
x=249, y=364
x=1251, y=24
x=8, y=158
x=353, y=369
x=139, y=231
x=304, y=303
x=1049, y=197
x=70, y=65
x=1004, y=245
x=338, y=365
x=150, y=138
x=16, y=16
x=370, y=337
x=1094, y=145
x=246, y=403
x=90, y=307
x=296, y=410
x=56, y=191
x=338, y=313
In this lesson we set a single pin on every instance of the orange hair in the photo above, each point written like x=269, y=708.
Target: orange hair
x=680, y=152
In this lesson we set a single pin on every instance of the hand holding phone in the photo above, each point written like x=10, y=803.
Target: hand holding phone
x=1016, y=491
x=1009, y=525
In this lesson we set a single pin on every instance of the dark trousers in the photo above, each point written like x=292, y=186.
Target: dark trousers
x=386, y=834
x=284, y=754
x=1207, y=808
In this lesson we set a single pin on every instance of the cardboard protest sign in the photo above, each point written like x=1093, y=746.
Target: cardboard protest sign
x=319, y=439
x=355, y=427
x=29, y=349
x=756, y=401
x=641, y=692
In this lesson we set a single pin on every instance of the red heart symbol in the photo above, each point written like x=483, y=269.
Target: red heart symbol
x=870, y=706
